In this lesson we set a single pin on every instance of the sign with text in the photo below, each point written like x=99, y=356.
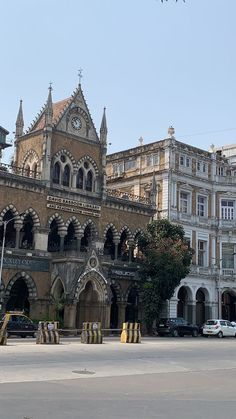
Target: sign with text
x=25, y=263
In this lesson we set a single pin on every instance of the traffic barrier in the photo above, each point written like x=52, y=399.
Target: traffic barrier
x=48, y=333
x=3, y=337
x=91, y=332
x=130, y=333
x=3, y=329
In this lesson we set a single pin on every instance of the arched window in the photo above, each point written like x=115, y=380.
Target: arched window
x=34, y=170
x=109, y=246
x=80, y=179
x=89, y=181
x=66, y=176
x=27, y=237
x=86, y=239
x=56, y=173
x=27, y=171
x=53, y=238
x=10, y=236
x=123, y=248
x=70, y=242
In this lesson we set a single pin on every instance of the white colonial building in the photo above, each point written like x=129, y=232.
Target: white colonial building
x=197, y=189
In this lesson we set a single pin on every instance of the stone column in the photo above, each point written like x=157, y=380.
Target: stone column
x=208, y=310
x=106, y=314
x=121, y=312
x=73, y=183
x=131, y=250
x=70, y=315
x=18, y=228
x=116, y=251
x=62, y=236
x=191, y=312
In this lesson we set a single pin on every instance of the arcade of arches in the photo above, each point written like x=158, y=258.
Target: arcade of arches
x=197, y=308
x=90, y=304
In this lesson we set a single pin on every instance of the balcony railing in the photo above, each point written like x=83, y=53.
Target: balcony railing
x=19, y=171
x=128, y=196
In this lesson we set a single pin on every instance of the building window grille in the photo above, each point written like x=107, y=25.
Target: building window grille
x=130, y=164
x=184, y=202
x=220, y=171
x=185, y=161
x=152, y=159
x=202, y=253
x=201, y=206
x=227, y=256
x=227, y=210
x=118, y=168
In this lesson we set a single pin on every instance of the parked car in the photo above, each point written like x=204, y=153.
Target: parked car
x=176, y=326
x=219, y=328
x=20, y=325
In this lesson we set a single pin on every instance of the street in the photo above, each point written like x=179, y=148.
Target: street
x=159, y=378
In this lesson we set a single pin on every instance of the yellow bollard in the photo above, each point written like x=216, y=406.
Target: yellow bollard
x=91, y=332
x=130, y=333
x=48, y=333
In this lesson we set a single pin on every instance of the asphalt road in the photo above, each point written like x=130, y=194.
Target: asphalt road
x=159, y=378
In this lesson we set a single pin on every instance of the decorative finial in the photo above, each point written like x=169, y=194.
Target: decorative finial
x=50, y=86
x=80, y=74
x=212, y=148
x=171, y=132
x=141, y=140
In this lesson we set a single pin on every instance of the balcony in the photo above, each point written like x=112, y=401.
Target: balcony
x=128, y=196
x=19, y=171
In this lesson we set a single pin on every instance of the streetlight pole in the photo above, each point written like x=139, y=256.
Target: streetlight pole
x=2, y=251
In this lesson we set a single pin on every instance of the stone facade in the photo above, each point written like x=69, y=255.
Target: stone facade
x=69, y=240
x=197, y=189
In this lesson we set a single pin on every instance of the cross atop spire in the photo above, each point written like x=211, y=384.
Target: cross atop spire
x=80, y=74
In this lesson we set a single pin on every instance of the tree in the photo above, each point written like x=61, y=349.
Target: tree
x=166, y=258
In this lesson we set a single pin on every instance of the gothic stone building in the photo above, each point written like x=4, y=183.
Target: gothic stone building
x=196, y=189
x=69, y=240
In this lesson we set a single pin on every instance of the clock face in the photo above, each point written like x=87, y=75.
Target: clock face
x=76, y=122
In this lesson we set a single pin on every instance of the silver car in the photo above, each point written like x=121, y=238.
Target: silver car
x=219, y=328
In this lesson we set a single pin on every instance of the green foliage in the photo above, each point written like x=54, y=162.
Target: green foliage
x=59, y=304
x=166, y=259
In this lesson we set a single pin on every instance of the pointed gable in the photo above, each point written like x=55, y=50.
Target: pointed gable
x=70, y=115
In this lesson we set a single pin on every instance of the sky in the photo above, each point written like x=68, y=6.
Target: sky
x=152, y=65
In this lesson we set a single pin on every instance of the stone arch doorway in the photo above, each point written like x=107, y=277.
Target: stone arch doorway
x=200, y=307
x=183, y=306
x=114, y=310
x=92, y=300
x=229, y=305
x=88, y=307
x=19, y=297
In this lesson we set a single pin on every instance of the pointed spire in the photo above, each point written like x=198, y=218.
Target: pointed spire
x=49, y=108
x=19, y=122
x=103, y=129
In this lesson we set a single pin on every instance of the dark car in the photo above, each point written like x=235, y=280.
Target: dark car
x=176, y=326
x=20, y=325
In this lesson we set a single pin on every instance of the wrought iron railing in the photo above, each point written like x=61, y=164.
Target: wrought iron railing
x=128, y=196
x=19, y=171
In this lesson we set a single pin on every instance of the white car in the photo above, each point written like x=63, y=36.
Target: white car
x=220, y=328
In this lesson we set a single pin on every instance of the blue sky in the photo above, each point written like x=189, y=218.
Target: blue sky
x=151, y=64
